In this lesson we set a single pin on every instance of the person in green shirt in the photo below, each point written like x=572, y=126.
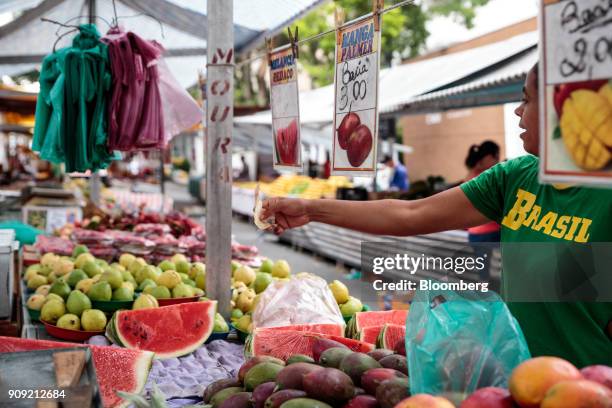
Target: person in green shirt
x=528, y=212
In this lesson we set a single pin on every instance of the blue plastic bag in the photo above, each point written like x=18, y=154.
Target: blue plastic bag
x=457, y=343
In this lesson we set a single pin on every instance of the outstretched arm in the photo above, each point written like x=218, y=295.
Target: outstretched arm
x=448, y=210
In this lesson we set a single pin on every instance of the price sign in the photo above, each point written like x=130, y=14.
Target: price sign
x=285, y=105
x=356, y=99
x=576, y=92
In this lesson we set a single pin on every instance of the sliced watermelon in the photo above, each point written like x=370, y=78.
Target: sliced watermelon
x=370, y=334
x=326, y=328
x=361, y=320
x=117, y=369
x=283, y=344
x=168, y=331
x=391, y=335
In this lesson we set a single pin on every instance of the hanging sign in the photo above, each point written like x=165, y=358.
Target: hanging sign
x=356, y=98
x=576, y=92
x=285, y=109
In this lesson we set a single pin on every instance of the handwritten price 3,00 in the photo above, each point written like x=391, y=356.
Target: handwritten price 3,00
x=351, y=80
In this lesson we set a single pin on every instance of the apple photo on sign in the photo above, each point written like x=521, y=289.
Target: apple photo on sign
x=286, y=141
x=354, y=140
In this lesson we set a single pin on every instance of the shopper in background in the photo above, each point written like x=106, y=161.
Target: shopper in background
x=399, y=180
x=480, y=158
x=244, y=172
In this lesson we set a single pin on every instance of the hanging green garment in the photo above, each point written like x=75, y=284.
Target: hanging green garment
x=71, y=123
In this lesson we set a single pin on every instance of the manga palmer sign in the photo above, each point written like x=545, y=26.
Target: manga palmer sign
x=356, y=99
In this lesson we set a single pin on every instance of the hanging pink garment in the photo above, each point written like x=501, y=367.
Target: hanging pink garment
x=181, y=111
x=135, y=112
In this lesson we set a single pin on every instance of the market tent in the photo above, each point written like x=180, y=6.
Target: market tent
x=498, y=64
x=25, y=40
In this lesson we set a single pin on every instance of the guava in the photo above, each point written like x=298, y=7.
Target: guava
x=183, y=267
x=77, y=302
x=84, y=285
x=161, y=292
x=178, y=258
x=126, y=259
x=350, y=307
x=244, y=274
x=78, y=250
x=145, y=283
x=53, y=296
x=52, y=310
x=62, y=266
x=35, y=302
x=60, y=288
x=200, y=280
x=91, y=268
x=123, y=294
x=43, y=290
x=243, y=324
x=220, y=324
x=147, y=272
x=75, y=277
x=195, y=268
x=100, y=291
x=36, y=281
x=30, y=272
x=266, y=266
x=145, y=301
x=129, y=285
x=340, y=291
x=93, y=320
x=48, y=259
x=245, y=301
x=262, y=280
x=169, y=279
x=69, y=321
x=281, y=269
x=198, y=292
x=117, y=265
x=182, y=291
x=135, y=265
x=113, y=277
x=236, y=314
x=82, y=259
x=167, y=266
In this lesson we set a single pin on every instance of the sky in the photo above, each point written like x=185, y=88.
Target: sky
x=496, y=14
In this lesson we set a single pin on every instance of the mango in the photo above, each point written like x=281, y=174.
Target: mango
x=329, y=384
x=356, y=364
x=261, y=373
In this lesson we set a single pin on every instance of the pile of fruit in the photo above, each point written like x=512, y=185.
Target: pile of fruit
x=328, y=373
x=67, y=290
x=348, y=304
x=248, y=283
x=300, y=186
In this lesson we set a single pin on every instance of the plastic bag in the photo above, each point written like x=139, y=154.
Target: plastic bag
x=459, y=343
x=303, y=299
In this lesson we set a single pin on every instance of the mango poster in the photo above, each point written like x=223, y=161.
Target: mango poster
x=576, y=92
x=285, y=110
x=356, y=99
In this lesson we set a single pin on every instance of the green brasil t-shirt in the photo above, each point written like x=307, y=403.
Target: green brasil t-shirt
x=510, y=194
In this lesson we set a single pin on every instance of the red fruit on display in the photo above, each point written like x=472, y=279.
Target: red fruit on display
x=491, y=397
x=371, y=379
x=359, y=145
x=599, y=373
x=347, y=126
x=362, y=401
x=287, y=143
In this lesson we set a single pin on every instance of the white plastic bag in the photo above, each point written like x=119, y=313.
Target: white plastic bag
x=303, y=299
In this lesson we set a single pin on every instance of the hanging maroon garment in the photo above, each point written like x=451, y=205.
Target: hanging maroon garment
x=135, y=111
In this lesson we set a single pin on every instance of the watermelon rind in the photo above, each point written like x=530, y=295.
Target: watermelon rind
x=361, y=320
x=370, y=334
x=141, y=366
x=383, y=340
x=167, y=311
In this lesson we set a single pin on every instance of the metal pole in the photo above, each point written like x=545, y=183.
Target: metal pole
x=162, y=179
x=219, y=124
x=94, y=181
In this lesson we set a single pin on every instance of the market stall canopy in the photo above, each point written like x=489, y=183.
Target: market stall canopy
x=400, y=85
x=26, y=40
